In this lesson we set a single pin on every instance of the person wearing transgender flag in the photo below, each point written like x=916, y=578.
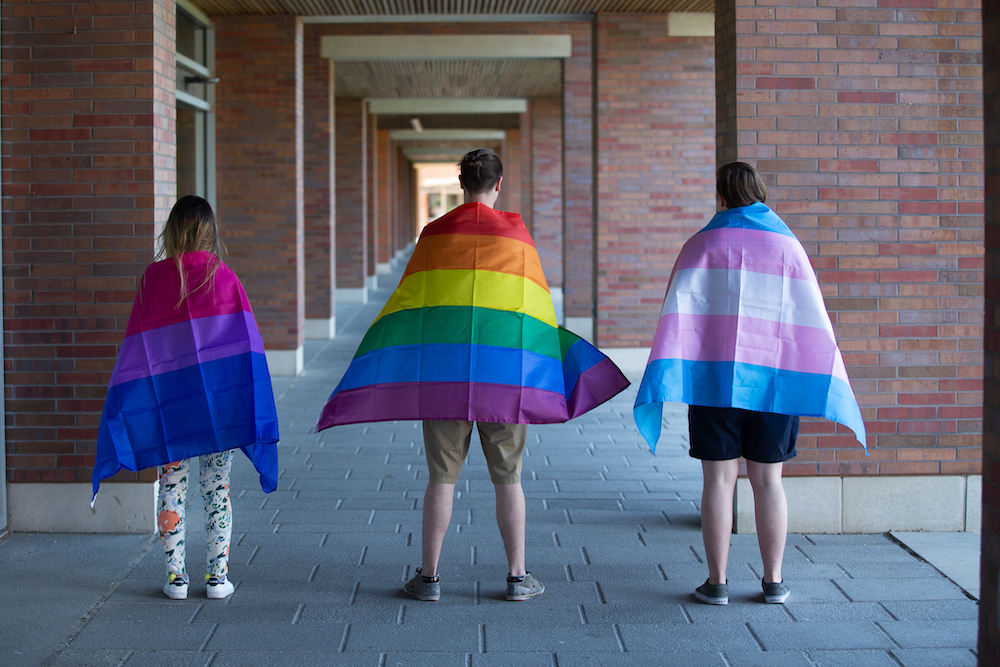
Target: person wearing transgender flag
x=470, y=335
x=745, y=340
x=190, y=385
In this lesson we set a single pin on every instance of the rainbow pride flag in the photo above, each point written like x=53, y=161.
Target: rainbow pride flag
x=471, y=334
x=744, y=325
x=189, y=379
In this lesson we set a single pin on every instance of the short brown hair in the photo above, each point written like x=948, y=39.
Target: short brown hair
x=739, y=184
x=480, y=169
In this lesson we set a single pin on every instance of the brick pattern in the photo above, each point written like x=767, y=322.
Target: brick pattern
x=867, y=126
x=403, y=197
x=383, y=212
x=371, y=190
x=510, y=189
x=259, y=148
x=526, y=208
x=656, y=163
x=88, y=173
x=318, y=190
x=546, y=185
x=989, y=602
x=352, y=204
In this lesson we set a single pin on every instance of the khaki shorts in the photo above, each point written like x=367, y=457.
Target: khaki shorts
x=446, y=444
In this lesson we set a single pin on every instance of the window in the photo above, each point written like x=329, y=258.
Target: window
x=195, y=102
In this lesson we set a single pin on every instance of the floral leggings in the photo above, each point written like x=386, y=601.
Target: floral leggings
x=214, y=477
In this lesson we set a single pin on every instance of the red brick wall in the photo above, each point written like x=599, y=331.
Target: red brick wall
x=510, y=189
x=371, y=190
x=381, y=187
x=866, y=124
x=352, y=206
x=88, y=148
x=319, y=204
x=527, y=209
x=546, y=185
x=406, y=214
x=989, y=601
x=259, y=148
x=656, y=165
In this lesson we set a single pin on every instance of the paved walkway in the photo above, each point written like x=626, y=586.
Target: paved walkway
x=614, y=535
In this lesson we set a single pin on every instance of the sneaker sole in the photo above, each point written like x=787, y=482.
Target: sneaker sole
x=522, y=598
x=708, y=600
x=425, y=598
x=776, y=599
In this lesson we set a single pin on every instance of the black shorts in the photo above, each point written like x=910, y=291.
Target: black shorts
x=721, y=434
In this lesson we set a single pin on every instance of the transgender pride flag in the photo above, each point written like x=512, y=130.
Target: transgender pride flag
x=190, y=379
x=470, y=334
x=744, y=325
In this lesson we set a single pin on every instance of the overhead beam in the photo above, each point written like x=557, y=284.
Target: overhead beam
x=451, y=105
x=448, y=135
x=366, y=48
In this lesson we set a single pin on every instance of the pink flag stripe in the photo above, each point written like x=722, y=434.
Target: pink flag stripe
x=755, y=341
x=766, y=252
x=157, y=306
x=184, y=344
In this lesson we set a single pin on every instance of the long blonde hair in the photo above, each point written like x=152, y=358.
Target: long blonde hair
x=190, y=227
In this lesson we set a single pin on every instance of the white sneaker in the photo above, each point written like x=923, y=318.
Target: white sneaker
x=176, y=587
x=218, y=587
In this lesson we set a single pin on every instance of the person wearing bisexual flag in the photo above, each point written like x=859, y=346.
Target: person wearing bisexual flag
x=745, y=340
x=190, y=386
x=470, y=337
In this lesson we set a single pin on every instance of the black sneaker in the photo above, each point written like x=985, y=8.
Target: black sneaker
x=424, y=588
x=775, y=593
x=712, y=593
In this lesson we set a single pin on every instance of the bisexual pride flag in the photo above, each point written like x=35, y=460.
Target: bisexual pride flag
x=744, y=325
x=471, y=334
x=191, y=378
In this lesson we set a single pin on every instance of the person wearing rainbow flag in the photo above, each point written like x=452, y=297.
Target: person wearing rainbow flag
x=745, y=340
x=470, y=335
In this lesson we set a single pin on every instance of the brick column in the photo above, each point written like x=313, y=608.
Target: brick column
x=989, y=601
x=259, y=135
x=352, y=206
x=371, y=195
x=383, y=212
x=865, y=123
x=320, y=202
x=546, y=185
x=89, y=147
x=579, y=197
x=527, y=210
x=656, y=165
x=510, y=190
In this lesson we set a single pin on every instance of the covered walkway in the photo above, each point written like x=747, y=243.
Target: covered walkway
x=615, y=537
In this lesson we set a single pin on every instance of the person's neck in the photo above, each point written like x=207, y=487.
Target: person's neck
x=485, y=199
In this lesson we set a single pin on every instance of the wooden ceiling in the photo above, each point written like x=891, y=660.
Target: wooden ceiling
x=483, y=8
x=449, y=78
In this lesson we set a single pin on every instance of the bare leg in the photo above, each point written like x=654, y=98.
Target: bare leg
x=511, y=519
x=437, y=517
x=771, y=511
x=717, y=514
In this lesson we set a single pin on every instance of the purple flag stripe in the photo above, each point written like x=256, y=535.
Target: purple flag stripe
x=755, y=341
x=444, y=400
x=772, y=253
x=595, y=385
x=177, y=346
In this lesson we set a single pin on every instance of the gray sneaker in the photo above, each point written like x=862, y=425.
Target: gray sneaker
x=522, y=588
x=775, y=593
x=424, y=588
x=712, y=593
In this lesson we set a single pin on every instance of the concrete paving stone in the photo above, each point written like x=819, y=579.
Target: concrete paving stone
x=170, y=659
x=602, y=554
x=290, y=516
x=694, y=573
x=878, y=590
x=333, y=528
x=666, y=658
x=161, y=637
x=547, y=475
x=315, y=613
x=671, y=506
x=893, y=570
x=603, y=504
x=489, y=611
x=852, y=540
x=646, y=592
x=885, y=553
x=301, y=659
x=932, y=634
x=842, y=611
x=686, y=637
x=239, y=611
x=551, y=638
x=269, y=637
x=932, y=610
x=156, y=611
x=737, y=611
x=767, y=659
x=82, y=658
x=635, y=613
x=253, y=592
x=509, y=660
x=820, y=635
x=378, y=504
x=935, y=657
x=646, y=518
x=852, y=658
x=413, y=637
x=407, y=659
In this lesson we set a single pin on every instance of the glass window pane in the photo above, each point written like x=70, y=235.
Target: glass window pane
x=190, y=38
